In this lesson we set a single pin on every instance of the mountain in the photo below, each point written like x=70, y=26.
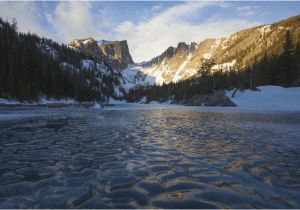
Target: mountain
x=114, y=53
x=238, y=51
x=32, y=67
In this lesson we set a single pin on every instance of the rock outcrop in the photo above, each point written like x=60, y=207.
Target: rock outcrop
x=218, y=98
x=114, y=53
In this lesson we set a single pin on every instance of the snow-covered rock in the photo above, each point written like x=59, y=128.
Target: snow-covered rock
x=97, y=106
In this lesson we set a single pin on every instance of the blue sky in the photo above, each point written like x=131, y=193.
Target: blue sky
x=148, y=26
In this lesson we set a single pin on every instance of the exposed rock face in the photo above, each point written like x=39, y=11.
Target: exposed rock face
x=117, y=53
x=218, y=98
x=234, y=52
x=114, y=53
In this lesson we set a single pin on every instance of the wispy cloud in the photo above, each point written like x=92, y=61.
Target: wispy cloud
x=149, y=38
x=247, y=10
x=148, y=35
x=27, y=15
x=75, y=20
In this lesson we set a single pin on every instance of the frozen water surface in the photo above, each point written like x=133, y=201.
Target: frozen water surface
x=139, y=156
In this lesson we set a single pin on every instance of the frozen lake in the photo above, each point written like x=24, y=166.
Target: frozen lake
x=148, y=156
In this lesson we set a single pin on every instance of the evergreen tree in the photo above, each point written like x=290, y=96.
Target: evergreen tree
x=31, y=67
x=296, y=65
x=287, y=71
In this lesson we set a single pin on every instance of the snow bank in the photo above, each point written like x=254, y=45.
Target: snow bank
x=269, y=97
x=143, y=100
x=153, y=102
x=4, y=101
x=42, y=101
x=113, y=101
x=97, y=106
x=53, y=101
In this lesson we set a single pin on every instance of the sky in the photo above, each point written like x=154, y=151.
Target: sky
x=149, y=27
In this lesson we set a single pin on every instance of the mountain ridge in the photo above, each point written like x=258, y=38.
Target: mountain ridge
x=237, y=51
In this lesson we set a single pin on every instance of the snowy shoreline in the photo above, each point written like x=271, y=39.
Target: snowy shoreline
x=268, y=98
x=41, y=102
x=52, y=103
x=274, y=98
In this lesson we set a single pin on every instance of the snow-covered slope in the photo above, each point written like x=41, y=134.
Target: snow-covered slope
x=168, y=67
x=269, y=97
x=104, y=75
x=138, y=74
x=235, y=52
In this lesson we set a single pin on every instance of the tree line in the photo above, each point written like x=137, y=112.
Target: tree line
x=282, y=69
x=32, y=67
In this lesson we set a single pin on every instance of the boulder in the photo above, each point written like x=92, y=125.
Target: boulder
x=218, y=98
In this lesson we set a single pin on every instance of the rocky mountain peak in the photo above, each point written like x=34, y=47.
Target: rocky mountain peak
x=193, y=46
x=168, y=53
x=182, y=47
x=88, y=46
x=114, y=53
x=235, y=52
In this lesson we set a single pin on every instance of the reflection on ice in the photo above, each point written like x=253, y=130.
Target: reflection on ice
x=136, y=156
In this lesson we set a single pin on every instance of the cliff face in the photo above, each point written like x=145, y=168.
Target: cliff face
x=114, y=53
x=117, y=54
x=234, y=52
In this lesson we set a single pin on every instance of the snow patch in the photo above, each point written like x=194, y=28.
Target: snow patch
x=68, y=66
x=45, y=101
x=264, y=29
x=87, y=41
x=90, y=65
x=97, y=106
x=87, y=64
x=42, y=101
x=153, y=102
x=142, y=75
x=117, y=91
x=216, y=43
x=114, y=101
x=269, y=97
x=224, y=66
x=206, y=55
x=103, y=42
x=4, y=101
x=179, y=73
x=223, y=44
x=46, y=49
x=143, y=100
